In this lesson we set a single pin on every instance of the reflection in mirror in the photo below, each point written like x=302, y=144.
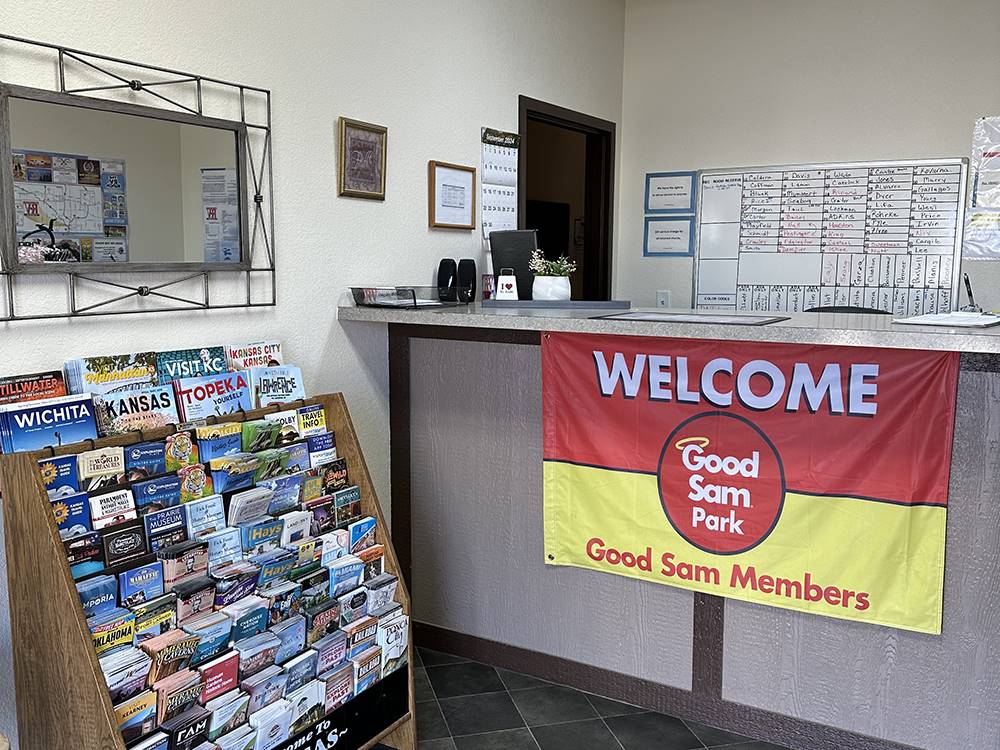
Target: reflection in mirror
x=94, y=186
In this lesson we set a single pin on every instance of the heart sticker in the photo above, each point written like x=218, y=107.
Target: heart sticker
x=508, y=286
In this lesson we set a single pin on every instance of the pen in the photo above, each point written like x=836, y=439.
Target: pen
x=968, y=290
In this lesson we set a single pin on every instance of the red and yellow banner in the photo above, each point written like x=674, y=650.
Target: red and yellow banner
x=812, y=478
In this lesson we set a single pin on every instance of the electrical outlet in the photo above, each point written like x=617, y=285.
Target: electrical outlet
x=663, y=298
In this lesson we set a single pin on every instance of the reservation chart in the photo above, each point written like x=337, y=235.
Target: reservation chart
x=883, y=235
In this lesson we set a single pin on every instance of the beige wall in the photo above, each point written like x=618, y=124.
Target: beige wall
x=719, y=83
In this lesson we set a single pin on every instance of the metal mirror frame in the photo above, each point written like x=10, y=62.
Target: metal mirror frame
x=156, y=285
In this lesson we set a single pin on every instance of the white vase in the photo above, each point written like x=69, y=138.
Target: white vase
x=548, y=288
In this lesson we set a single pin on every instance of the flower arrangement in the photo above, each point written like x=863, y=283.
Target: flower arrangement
x=561, y=266
x=31, y=252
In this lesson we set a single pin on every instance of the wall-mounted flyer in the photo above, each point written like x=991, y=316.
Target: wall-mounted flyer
x=982, y=219
x=81, y=198
x=668, y=207
x=221, y=214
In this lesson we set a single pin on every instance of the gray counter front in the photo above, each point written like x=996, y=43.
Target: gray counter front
x=465, y=412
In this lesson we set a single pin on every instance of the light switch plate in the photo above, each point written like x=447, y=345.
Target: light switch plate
x=663, y=298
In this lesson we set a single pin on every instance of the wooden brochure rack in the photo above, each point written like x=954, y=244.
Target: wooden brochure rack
x=62, y=701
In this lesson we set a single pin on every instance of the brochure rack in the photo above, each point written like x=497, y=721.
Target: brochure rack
x=62, y=701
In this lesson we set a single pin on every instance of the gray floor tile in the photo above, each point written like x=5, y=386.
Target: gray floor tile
x=553, y=704
x=752, y=745
x=652, y=731
x=445, y=744
x=518, y=681
x=435, y=658
x=466, y=678
x=476, y=714
x=430, y=722
x=608, y=707
x=575, y=735
x=711, y=736
x=422, y=689
x=512, y=739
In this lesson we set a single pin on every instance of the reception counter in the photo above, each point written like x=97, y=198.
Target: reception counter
x=846, y=329
x=466, y=447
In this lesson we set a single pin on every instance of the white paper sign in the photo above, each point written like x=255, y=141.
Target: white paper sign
x=669, y=235
x=670, y=191
x=982, y=219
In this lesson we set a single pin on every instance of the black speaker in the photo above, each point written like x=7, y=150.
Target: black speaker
x=447, y=279
x=466, y=280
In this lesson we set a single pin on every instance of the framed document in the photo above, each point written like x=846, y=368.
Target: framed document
x=670, y=192
x=361, y=172
x=451, y=195
x=668, y=235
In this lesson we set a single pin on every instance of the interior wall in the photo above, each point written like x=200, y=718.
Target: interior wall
x=756, y=82
x=433, y=72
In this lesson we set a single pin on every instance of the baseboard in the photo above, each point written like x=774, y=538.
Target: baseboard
x=705, y=708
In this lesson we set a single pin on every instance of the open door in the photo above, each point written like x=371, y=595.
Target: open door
x=566, y=190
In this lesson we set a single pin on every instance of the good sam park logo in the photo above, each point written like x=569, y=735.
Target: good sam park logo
x=721, y=482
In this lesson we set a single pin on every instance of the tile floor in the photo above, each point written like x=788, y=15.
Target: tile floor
x=465, y=705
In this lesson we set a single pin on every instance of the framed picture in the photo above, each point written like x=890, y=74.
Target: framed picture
x=361, y=163
x=451, y=195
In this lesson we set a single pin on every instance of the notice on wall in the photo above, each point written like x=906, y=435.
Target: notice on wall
x=499, y=180
x=670, y=192
x=668, y=235
x=669, y=206
x=786, y=475
x=221, y=214
x=982, y=218
x=80, y=199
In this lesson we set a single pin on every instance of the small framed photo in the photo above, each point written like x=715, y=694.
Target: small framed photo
x=361, y=163
x=451, y=195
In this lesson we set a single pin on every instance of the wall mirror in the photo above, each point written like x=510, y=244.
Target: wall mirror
x=113, y=186
x=130, y=187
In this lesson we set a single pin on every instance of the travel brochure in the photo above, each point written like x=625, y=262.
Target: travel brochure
x=108, y=395
x=231, y=582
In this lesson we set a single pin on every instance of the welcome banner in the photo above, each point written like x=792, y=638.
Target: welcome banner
x=812, y=478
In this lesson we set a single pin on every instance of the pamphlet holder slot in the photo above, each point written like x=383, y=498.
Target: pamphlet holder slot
x=62, y=701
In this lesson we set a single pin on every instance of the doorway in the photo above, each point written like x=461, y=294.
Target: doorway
x=566, y=190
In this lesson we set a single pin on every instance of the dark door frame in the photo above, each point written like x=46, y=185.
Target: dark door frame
x=600, y=171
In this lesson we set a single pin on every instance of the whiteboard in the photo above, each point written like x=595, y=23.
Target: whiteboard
x=884, y=235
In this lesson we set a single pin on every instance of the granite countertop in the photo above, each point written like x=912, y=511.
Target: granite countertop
x=801, y=328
